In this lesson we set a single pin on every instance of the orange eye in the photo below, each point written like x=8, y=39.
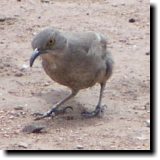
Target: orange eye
x=51, y=41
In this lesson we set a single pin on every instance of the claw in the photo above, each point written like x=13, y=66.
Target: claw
x=98, y=112
x=44, y=116
x=52, y=113
x=68, y=107
x=37, y=114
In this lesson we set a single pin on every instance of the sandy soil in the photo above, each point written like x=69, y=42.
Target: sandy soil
x=24, y=91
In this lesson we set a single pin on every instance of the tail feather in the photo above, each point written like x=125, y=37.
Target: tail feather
x=109, y=65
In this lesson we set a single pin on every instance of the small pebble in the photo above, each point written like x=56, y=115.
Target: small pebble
x=45, y=1
x=79, y=147
x=23, y=113
x=33, y=128
x=23, y=145
x=19, y=74
x=148, y=123
x=147, y=53
x=99, y=124
x=1, y=111
x=11, y=117
x=26, y=105
x=24, y=67
x=141, y=138
x=14, y=114
x=132, y=20
x=147, y=106
x=2, y=19
x=18, y=108
x=46, y=84
x=6, y=135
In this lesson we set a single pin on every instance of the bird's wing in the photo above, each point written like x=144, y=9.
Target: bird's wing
x=99, y=50
x=98, y=46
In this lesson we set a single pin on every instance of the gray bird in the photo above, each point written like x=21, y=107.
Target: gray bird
x=76, y=60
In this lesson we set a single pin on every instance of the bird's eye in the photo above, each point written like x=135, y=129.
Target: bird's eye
x=51, y=41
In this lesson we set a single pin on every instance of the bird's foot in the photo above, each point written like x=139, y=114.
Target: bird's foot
x=51, y=113
x=98, y=112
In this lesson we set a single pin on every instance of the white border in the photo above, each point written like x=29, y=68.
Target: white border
x=157, y=105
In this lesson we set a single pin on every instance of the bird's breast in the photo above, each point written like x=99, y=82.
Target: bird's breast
x=70, y=73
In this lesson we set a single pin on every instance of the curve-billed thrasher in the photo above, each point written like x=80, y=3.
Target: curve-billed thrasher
x=76, y=60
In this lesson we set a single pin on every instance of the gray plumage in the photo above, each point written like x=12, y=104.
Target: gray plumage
x=76, y=60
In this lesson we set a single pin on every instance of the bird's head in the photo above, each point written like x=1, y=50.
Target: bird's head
x=46, y=42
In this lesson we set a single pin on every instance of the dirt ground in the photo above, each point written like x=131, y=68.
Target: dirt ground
x=24, y=91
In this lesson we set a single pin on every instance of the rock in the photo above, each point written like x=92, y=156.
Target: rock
x=26, y=105
x=147, y=53
x=2, y=19
x=23, y=113
x=98, y=124
x=6, y=135
x=46, y=84
x=23, y=145
x=13, y=114
x=1, y=111
x=45, y=1
x=19, y=74
x=33, y=128
x=79, y=147
x=147, y=106
x=18, y=108
x=11, y=117
x=9, y=20
x=132, y=20
x=24, y=67
x=148, y=122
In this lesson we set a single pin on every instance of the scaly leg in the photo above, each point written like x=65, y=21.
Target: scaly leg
x=55, y=111
x=99, y=109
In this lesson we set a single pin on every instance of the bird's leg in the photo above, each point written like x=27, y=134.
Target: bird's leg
x=99, y=109
x=55, y=111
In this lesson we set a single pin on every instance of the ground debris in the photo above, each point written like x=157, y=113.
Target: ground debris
x=148, y=122
x=22, y=144
x=147, y=53
x=9, y=20
x=45, y=1
x=24, y=67
x=79, y=147
x=19, y=74
x=18, y=108
x=34, y=128
x=131, y=20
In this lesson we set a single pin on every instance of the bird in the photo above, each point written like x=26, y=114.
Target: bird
x=77, y=60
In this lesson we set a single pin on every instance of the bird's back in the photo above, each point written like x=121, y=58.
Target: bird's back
x=83, y=40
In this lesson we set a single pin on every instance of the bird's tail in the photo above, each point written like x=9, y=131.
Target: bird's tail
x=109, y=65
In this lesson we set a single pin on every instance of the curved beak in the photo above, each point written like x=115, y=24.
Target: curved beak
x=35, y=54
